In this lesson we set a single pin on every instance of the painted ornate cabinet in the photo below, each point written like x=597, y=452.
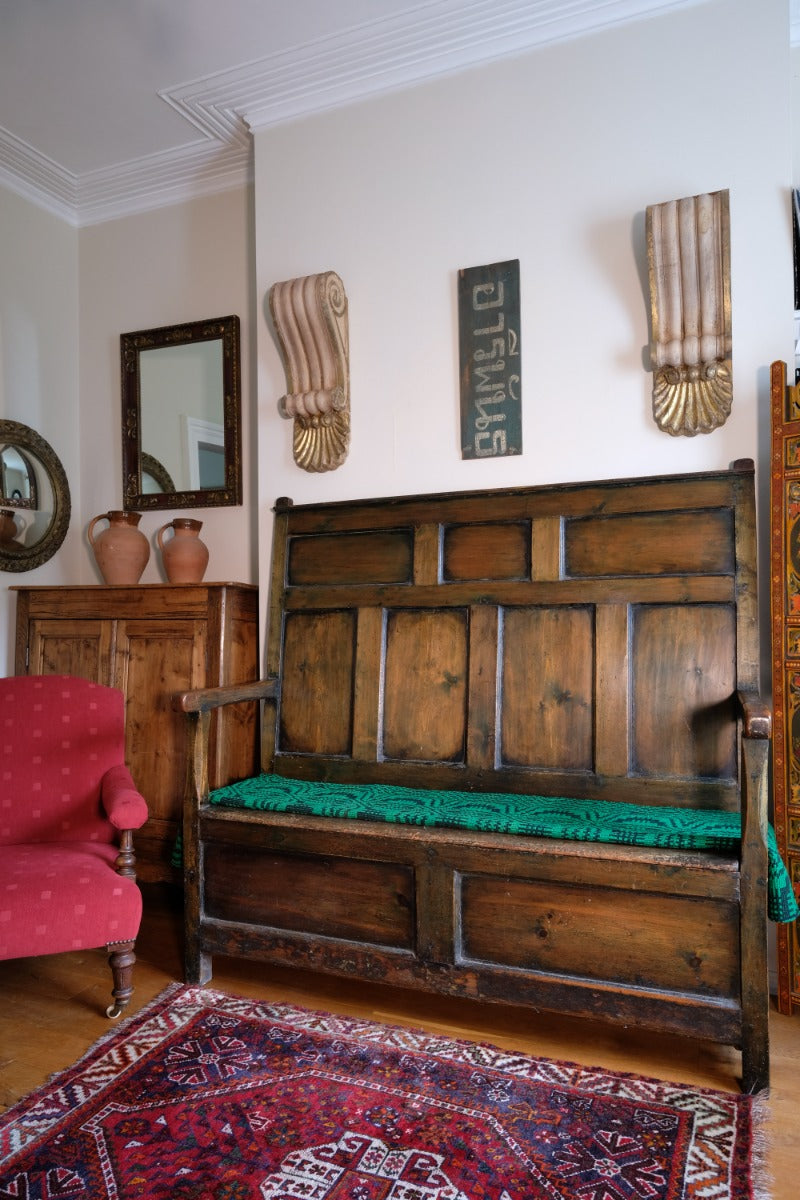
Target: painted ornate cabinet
x=153, y=641
x=785, y=592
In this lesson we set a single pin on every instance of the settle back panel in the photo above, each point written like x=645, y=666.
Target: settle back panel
x=582, y=640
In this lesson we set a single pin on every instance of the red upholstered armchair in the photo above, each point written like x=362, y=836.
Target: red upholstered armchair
x=68, y=807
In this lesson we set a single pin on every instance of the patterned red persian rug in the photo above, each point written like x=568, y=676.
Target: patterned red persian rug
x=205, y=1096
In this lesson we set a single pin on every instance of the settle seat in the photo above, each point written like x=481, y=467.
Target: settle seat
x=512, y=749
x=68, y=807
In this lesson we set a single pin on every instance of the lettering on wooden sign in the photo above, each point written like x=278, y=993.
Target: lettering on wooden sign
x=489, y=360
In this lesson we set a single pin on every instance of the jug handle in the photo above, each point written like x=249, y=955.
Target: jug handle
x=159, y=535
x=92, y=523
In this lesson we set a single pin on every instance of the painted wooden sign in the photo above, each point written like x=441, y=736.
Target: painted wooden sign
x=489, y=360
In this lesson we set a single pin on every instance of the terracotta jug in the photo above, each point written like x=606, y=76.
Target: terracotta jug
x=184, y=555
x=8, y=526
x=121, y=550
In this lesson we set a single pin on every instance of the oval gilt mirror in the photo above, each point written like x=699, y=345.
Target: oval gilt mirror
x=181, y=405
x=34, y=498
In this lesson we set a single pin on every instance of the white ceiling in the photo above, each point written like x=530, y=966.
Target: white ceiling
x=114, y=106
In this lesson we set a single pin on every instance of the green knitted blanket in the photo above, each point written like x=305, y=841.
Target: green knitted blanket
x=499, y=812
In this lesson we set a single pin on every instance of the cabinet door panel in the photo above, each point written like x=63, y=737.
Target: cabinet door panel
x=70, y=647
x=154, y=660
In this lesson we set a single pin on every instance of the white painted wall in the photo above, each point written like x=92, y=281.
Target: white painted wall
x=39, y=368
x=551, y=158
x=173, y=265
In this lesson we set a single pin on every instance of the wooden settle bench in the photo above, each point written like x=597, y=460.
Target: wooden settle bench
x=596, y=642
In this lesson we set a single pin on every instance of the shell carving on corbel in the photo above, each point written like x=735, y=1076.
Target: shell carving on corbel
x=311, y=325
x=688, y=248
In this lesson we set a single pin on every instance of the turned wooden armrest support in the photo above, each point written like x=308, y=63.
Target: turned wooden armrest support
x=206, y=699
x=756, y=715
x=125, y=863
x=199, y=707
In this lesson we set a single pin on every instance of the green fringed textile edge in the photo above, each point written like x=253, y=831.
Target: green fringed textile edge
x=499, y=812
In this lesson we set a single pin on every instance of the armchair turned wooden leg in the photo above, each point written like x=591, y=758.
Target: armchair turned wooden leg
x=121, y=959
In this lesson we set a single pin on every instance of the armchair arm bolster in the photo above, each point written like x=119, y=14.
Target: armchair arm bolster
x=125, y=807
x=756, y=715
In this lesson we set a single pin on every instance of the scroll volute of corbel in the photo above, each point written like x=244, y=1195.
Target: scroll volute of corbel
x=688, y=247
x=311, y=325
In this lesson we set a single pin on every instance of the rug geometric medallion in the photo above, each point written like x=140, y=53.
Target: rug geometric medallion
x=206, y=1096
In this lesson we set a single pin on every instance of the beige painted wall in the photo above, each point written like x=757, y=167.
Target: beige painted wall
x=65, y=297
x=183, y=263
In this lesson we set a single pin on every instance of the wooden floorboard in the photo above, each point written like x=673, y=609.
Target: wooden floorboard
x=53, y=1011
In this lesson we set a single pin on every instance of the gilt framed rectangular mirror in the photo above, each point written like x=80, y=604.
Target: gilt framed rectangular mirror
x=181, y=416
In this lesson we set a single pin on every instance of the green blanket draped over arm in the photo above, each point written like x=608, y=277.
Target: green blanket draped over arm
x=501, y=812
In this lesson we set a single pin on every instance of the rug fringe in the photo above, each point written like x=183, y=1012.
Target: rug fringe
x=762, y=1179
x=116, y=1026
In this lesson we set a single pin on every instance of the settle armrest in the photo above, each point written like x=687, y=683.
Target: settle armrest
x=199, y=707
x=206, y=699
x=756, y=714
x=123, y=803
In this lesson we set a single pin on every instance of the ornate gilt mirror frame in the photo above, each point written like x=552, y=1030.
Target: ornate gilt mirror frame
x=33, y=526
x=162, y=407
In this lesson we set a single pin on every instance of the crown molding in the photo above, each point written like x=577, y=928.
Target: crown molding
x=157, y=180
x=26, y=172
x=412, y=48
x=378, y=56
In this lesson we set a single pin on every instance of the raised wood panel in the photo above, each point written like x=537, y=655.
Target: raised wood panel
x=491, y=551
x=684, y=678
x=382, y=557
x=316, y=710
x=668, y=543
x=547, y=668
x=70, y=647
x=608, y=934
x=154, y=661
x=425, y=685
x=338, y=897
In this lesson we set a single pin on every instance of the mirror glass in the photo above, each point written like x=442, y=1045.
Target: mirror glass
x=34, y=499
x=181, y=414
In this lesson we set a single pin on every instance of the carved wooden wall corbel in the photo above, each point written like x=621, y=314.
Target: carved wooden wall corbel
x=688, y=247
x=310, y=318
